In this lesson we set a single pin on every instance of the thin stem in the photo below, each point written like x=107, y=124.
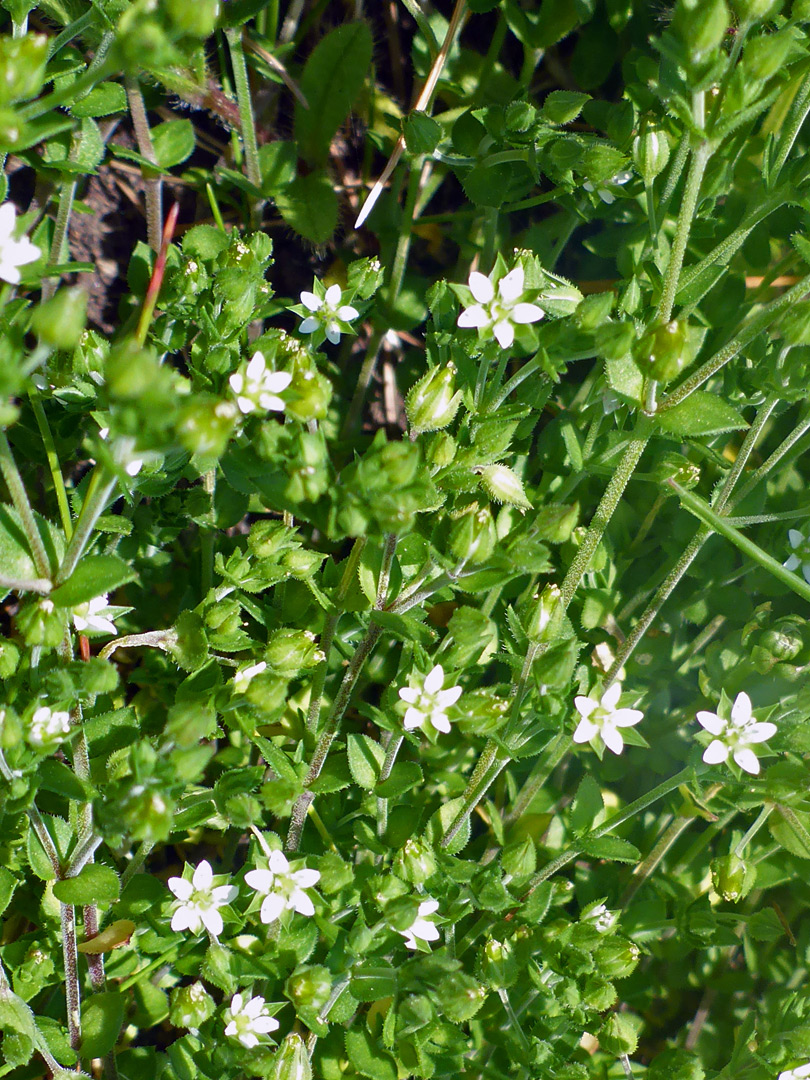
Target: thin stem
x=53, y=462
x=366, y=371
x=801, y=429
x=514, y=1023
x=98, y=495
x=394, y=744
x=153, y=184
x=484, y=775
x=796, y=117
x=687, y=215
x=19, y=496
x=762, y=817
x=536, y=780
x=207, y=537
x=246, y=121
x=59, y=245
x=136, y=862
x=72, y=90
x=71, y=962
x=83, y=854
x=155, y=639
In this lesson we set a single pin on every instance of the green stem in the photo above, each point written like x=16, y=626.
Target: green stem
x=246, y=120
x=536, y=780
x=98, y=495
x=394, y=744
x=53, y=462
x=137, y=861
x=796, y=117
x=486, y=772
x=687, y=215
x=366, y=371
x=763, y=816
x=801, y=429
x=153, y=182
x=19, y=496
x=71, y=964
x=59, y=245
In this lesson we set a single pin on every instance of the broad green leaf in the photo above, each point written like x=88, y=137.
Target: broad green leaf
x=96, y=884
x=278, y=165
x=612, y=848
x=372, y=980
x=54, y=775
x=102, y=1015
x=173, y=142
x=334, y=776
x=94, y=576
x=367, y=1056
x=8, y=883
x=563, y=106
x=205, y=241
x=109, y=97
x=587, y=807
x=331, y=81
x=405, y=628
x=366, y=757
x=15, y=559
x=792, y=832
x=62, y=836
x=309, y=206
x=700, y=414
x=440, y=823
x=404, y=776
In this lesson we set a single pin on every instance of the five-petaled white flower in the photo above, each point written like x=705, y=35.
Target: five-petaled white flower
x=602, y=918
x=801, y=1072
x=198, y=900
x=429, y=701
x=258, y=388
x=602, y=718
x=47, y=726
x=735, y=736
x=501, y=310
x=282, y=888
x=250, y=1021
x=13, y=253
x=603, y=189
x=90, y=616
x=327, y=312
x=801, y=553
x=241, y=680
x=422, y=927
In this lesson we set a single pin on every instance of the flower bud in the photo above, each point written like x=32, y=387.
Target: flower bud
x=519, y=859
x=40, y=623
x=442, y=450
x=291, y=1061
x=60, y=321
x=415, y=861
x=661, y=353
x=499, y=968
x=309, y=988
x=9, y=658
x=301, y=564
x=503, y=485
x=269, y=538
x=288, y=651
x=432, y=403
x=616, y=958
x=460, y=996
x=204, y=426
x=764, y=56
x=599, y=994
x=748, y=11
x=618, y=1035
x=650, y=154
x=308, y=396
x=197, y=18
x=546, y=618
x=22, y=66
x=678, y=468
x=474, y=537
x=224, y=616
x=191, y=1006
x=732, y=877
x=700, y=25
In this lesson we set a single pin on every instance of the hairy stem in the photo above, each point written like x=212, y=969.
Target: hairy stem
x=152, y=182
x=19, y=496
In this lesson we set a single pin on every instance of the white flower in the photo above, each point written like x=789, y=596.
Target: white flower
x=735, y=736
x=429, y=701
x=258, y=388
x=501, y=311
x=282, y=888
x=327, y=312
x=241, y=679
x=249, y=1021
x=198, y=900
x=602, y=718
x=600, y=916
x=603, y=191
x=801, y=553
x=122, y=453
x=13, y=253
x=47, y=726
x=421, y=927
x=801, y=1072
x=90, y=616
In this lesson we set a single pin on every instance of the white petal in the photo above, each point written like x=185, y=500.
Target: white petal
x=426, y=931
x=271, y=403
x=181, y=888
x=302, y=903
x=586, y=729
x=333, y=294
x=587, y=185
x=612, y=739
x=212, y=921
x=265, y=1024
x=741, y=710
x=254, y=1006
x=473, y=317
x=245, y=405
x=8, y=215
x=311, y=302
x=230, y=1030
x=756, y=733
x=626, y=717
x=102, y=626
x=410, y=940
x=333, y=333
x=526, y=313
x=224, y=894
x=413, y=719
x=203, y=876
x=427, y=907
x=449, y=696
x=585, y=705
x=711, y=722
x=510, y=287
x=276, y=381
x=309, y=325
x=248, y=1040
x=260, y=880
x=80, y=623
x=440, y=722
x=278, y=862
x=715, y=752
x=236, y=382
x=347, y=313
x=806, y=572
x=305, y=879
x=256, y=368
x=434, y=680
x=409, y=694
x=236, y=1005
x=610, y=698
x=792, y=562
x=796, y=538
x=481, y=287
x=9, y=273
x=272, y=907
x=504, y=332
x=747, y=760
x=606, y=196
x=183, y=919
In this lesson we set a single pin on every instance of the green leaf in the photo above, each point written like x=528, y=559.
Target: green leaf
x=612, y=848
x=62, y=836
x=8, y=883
x=95, y=575
x=331, y=81
x=54, y=775
x=309, y=206
x=96, y=884
x=102, y=1015
x=405, y=628
x=173, y=142
x=792, y=832
x=700, y=414
x=587, y=806
x=15, y=558
x=205, y=241
x=278, y=165
x=404, y=776
x=334, y=776
x=366, y=757
x=563, y=106
x=368, y=1057
x=277, y=760
x=189, y=648
x=109, y=97
x=440, y=823
x=422, y=133
x=372, y=980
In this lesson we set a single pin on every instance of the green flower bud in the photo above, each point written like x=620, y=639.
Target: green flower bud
x=764, y=56
x=308, y=396
x=225, y=615
x=650, y=154
x=661, y=353
x=598, y=994
x=12, y=128
x=498, y=965
x=732, y=877
x=676, y=1065
x=676, y=467
x=519, y=859
x=60, y=321
x=474, y=537
x=616, y=958
x=191, y=1006
x=460, y=996
x=291, y=1061
x=197, y=18
x=289, y=651
x=309, y=988
x=269, y=538
x=22, y=66
x=442, y=450
x=416, y=861
x=40, y=623
x=432, y=403
x=748, y=11
x=519, y=116
x=302, y=564
x=204, y=427
x=503, y=485
x=618, y=1035
x=546, y=618
x=700, y=25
